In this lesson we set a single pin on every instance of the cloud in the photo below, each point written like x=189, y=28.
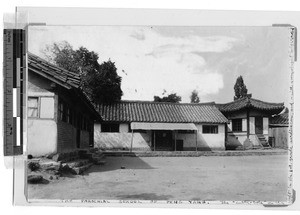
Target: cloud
x=152, y=61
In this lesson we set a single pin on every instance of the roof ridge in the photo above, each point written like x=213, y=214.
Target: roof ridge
x=249, y=99
x=167, y=103
x=270, y=103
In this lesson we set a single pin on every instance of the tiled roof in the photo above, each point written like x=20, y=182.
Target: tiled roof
x=63, y=77
x=282, y=119
x=250, y=102
x=59, y=75
x=143, y=111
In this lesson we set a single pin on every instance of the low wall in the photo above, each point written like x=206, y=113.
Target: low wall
x=111, y=141
x=205, y=142
x=280, y=135
x=41, y=137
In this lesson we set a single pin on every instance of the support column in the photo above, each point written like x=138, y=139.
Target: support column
x=175, y=141
x=248, y=124
x=154, y=139
x=196, y=140
x=131, y=140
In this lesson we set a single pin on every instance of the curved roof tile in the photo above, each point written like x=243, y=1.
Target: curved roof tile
x=145, y=111
x=250, y=102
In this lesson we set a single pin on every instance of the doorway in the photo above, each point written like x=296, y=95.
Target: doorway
x=163, y=140
x=259, y=125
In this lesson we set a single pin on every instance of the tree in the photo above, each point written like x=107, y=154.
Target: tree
x=100, y=81
x=194, y=97
x=240, y=88
x=173, y=98
x=106, y=84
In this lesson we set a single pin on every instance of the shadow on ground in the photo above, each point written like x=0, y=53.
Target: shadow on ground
x=116, y=163
x=145, y=196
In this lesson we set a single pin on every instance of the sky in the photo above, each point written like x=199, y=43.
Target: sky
x=159, y=60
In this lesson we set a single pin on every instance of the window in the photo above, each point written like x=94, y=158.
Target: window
x=33, y=107
x=68, y=115
x=110, y=127
x=237, y=125
x=64, y=112
x=60, y=110
x=209, y=129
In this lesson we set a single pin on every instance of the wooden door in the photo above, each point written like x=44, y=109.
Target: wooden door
x=163, y=140
x=259, y=125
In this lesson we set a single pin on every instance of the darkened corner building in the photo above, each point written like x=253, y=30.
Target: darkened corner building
x=249, y=122
x=60, y=117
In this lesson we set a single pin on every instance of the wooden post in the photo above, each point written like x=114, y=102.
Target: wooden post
x=154, y=139
x=175, y=140
x=196, y=140
x=248, y=124
x=131, y=140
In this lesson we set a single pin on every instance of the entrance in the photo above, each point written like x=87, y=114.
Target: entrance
x=163, y=140
x=259, y=125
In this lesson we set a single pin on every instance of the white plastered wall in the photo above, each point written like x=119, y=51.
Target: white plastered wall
x=121, y=139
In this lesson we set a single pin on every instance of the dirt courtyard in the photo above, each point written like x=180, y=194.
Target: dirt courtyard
x=261, y=178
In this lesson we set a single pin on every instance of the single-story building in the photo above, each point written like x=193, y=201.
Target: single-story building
x=279, y=130
x=60, y=117
x=143, y=125
x=248, y=125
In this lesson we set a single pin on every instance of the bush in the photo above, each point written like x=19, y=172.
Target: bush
x=33, y=166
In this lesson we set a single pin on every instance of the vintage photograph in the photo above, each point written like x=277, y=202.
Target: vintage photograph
x=159, y=113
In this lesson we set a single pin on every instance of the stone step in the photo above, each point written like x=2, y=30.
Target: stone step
x=81, y=169
x=76, y=163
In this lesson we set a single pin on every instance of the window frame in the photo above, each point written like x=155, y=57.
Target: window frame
x=61, y=108
x=210, y=129
x=234, y=125
x=37, y=108
x=110, y=127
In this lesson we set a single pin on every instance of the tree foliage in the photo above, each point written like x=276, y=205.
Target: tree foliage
x=100, y=81
x=195, y=97
x=173, y=98
x=240, y=88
